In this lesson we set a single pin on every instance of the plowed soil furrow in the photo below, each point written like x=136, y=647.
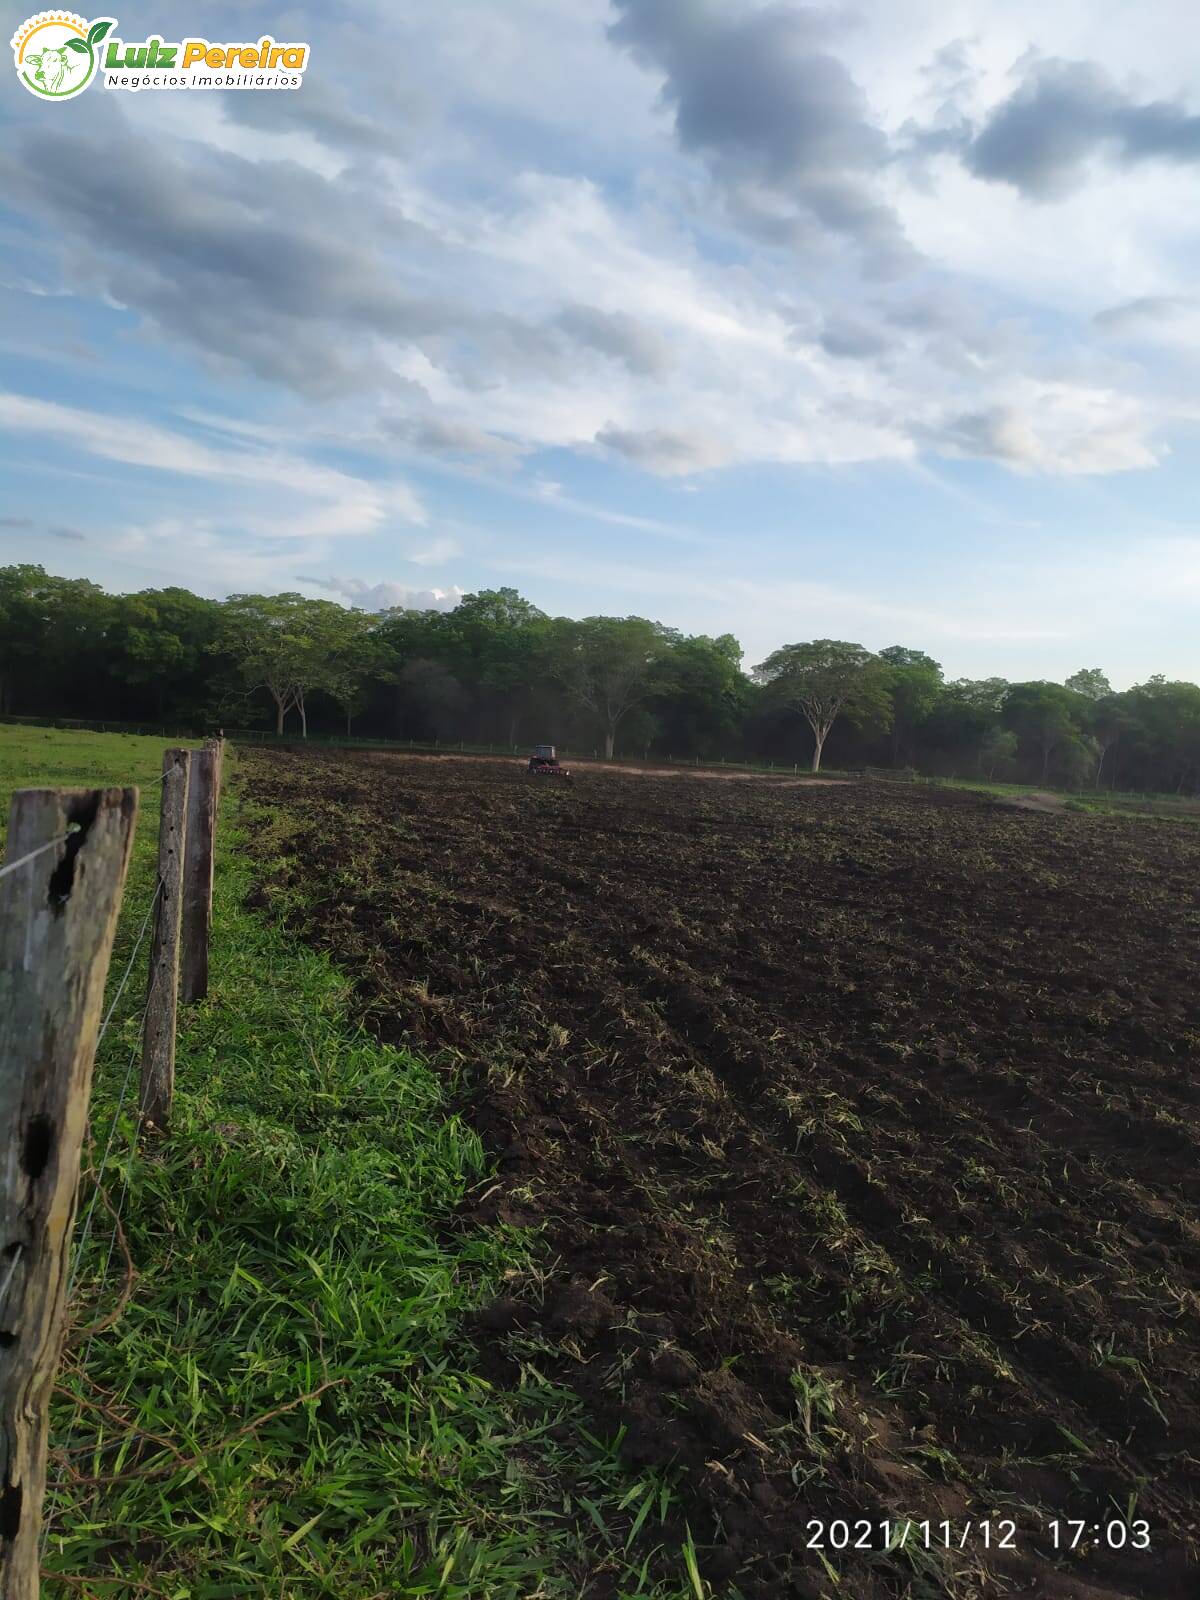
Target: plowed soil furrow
x=860, y=1123
x=1083, y=1281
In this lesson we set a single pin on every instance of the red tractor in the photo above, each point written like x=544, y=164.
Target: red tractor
x=544, y=763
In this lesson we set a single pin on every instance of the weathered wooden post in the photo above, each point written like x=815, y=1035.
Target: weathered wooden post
x=158, y=1042
x=218, y=745
x=58, y=915
x=196, y=919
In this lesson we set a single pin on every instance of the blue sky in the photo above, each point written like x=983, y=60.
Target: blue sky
x=877, y=323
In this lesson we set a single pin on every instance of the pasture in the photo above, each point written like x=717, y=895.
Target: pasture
x=856, y=1127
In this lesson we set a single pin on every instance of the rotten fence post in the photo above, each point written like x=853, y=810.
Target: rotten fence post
x=196, y=920
x=158, y=1042
x=58, y=916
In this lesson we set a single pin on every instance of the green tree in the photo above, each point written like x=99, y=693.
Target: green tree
x=495, y=641
x=914, y=681
x=987, y=694
x=1164, y=733
x=1090, y=682
x=159, y=646
x=356, y=657
x=433, y=697
x=700, y=694
x=1076, y=761
x=1108, y=720
x=824, y=680
x=55, y=641
x=964, y=722
x=1045, y=715
x=24, y=626
x=285, y=644
x=606, y=666
x=997, y=748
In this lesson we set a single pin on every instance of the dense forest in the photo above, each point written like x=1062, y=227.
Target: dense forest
x=495, y=669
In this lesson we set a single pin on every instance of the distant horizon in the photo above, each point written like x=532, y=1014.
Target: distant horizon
x=866, y=324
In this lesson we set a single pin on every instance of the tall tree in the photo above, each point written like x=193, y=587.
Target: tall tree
x=284, y=644
x=495, y=640
x=606, y=666
x=997, y=747
x=1107, y=719
x=354, y=657
x=54, y=641
x=158, y=648
x=914, y=681
x=1166, y=735
x=25, y=603
x=963, y=726
x=701, y=695
x=1045, y=715
x=825, y=679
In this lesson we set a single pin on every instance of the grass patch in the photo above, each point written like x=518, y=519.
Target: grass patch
x=1097, y=802
x=285, y=1401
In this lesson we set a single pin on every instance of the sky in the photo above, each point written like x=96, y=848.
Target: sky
x=871, y=322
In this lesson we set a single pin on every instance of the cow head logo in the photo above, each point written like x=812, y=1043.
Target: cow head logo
x=57, y=53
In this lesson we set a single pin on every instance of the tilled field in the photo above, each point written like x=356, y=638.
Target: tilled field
x=862, y=1125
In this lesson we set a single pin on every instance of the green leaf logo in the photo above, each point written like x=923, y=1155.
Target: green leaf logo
x=56, y=52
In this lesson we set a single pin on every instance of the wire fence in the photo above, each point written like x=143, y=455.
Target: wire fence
x=89, y=1245
x=115, y=1209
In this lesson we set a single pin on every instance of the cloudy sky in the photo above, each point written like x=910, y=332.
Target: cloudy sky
x=877, y=322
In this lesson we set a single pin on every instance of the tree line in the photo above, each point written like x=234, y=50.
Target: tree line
x=496, y=669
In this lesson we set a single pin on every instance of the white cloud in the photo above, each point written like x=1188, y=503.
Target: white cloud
x=384, y=595
x=479, y=313
x=1054, y=428
x=662, y=450
x=436, y=552
x=432, y=266
x=327, y=502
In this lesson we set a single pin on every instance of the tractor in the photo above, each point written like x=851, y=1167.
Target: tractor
x=544, y=763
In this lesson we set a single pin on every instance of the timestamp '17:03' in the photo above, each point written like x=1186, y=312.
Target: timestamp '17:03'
x=1068, y=1533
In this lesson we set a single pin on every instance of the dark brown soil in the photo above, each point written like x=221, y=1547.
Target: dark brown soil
x=861, y=1122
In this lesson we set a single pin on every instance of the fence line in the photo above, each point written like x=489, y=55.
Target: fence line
x=129, y=965
x=57, y=926
x=55, y=950
x=112, y=1130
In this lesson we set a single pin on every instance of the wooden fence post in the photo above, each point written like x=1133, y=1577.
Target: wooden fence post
x=158, y=1043
x=196, y=920
x=217, y=745
x=58, y=915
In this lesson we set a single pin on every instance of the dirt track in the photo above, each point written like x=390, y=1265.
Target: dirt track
x=862, y=1124
x=776, y=780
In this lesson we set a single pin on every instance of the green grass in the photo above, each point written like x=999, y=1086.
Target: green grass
x=49, y=758
x=286, y=1401
x=1098, y=802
